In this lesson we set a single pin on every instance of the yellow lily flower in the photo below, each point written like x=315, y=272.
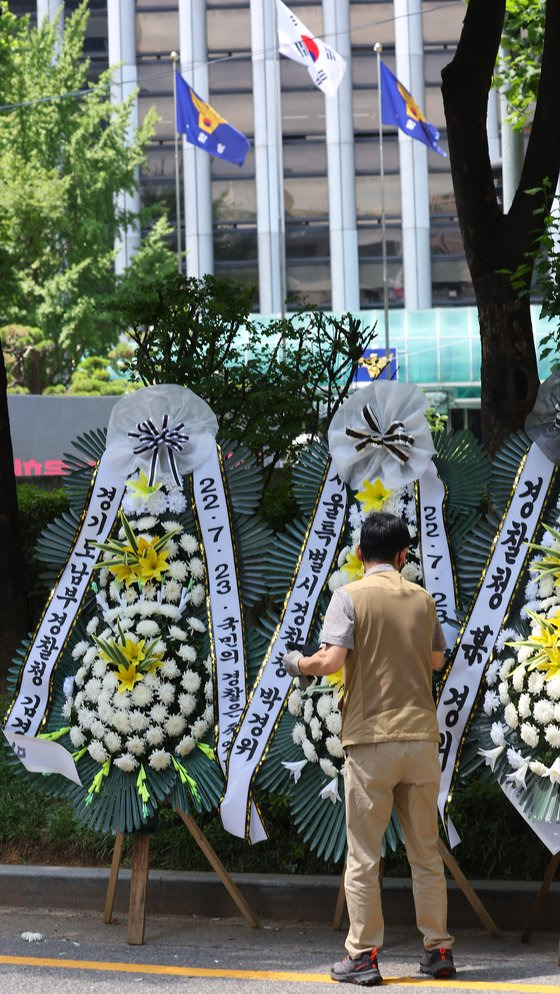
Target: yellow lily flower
x=141, y=487
x=548, y=641
x=353, y=567
x=373, y=496
x=124, y=572
x=151, y=563
x=336, y=681
x=127, y=676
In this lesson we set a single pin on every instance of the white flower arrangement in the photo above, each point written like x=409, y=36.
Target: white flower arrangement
x=142, y=692
x=524, y=679
x=319, y=725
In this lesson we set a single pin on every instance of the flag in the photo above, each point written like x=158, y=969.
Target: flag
x=400, y=108
x=203, y=126
x=325, y=66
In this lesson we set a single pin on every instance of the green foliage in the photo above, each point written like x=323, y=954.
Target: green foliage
x=519, y=68
x=37, y=508
x=92, y=378
x=28, y=357
x=65, y=154
x=268, y=383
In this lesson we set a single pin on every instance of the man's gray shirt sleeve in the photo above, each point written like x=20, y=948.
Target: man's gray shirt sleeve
x=338, y=626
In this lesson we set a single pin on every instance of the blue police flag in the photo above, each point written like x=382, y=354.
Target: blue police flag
x=203, y=126
x=398, y=107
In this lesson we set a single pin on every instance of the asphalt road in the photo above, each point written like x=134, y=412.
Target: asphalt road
x=79, y=955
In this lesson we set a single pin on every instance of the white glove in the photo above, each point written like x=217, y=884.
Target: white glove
x=290, y=662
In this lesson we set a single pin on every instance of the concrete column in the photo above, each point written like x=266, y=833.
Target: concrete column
x=54, y=10
x=513, y=153
x=345, y=275
x=413, y=156
x=197, y=180
x=121, y=30
x=493, y=127
x=268, y=157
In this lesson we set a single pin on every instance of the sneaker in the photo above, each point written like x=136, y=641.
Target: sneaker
x=438, y=963
x=362, y=970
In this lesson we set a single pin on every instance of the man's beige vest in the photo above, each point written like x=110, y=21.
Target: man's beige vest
x=388, y=678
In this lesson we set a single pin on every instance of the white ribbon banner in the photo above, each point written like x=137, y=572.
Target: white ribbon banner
x=43, y=756
x=480, y=630
x=273, y=684
x=227, y=634
x=437, y=566
x=63, y=605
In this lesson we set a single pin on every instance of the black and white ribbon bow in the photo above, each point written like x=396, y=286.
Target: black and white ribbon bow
x=395, y=439
x=154, y=440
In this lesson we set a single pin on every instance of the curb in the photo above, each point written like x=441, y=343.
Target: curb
x=274, y=896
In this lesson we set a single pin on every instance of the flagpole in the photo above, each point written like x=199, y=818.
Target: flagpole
x=378, y=48
x=175, y=59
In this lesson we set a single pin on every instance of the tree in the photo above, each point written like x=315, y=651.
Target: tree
x=494, y=241
x=267, y=382
x=65, y=153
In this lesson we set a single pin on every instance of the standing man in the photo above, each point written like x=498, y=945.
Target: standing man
x=385, y=632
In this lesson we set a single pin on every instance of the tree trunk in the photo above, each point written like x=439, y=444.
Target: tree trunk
x=494, y=241
x=13, y=608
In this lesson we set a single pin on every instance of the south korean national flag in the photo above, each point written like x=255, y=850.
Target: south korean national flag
x=325, y=66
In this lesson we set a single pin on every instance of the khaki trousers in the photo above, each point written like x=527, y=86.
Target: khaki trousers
x=378, y=776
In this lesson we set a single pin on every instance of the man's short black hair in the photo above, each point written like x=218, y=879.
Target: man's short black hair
x=382, y=537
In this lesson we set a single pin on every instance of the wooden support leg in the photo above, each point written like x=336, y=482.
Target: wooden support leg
x=113, y=878
x=540, y=898
x=468, y=891
x=220, y=869
x=138, y=889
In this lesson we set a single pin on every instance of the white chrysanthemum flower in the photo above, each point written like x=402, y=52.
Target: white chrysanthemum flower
x=518, y=680
x=552, y=687
x=196, y=624
x=154, y=735
x=538, y=768
x=334, y=746
x=510, y=715
x=166, y=693
x=207, y=663
x=543, y=712
x=171, y=548
x=98, y=728
x=308, y=710
x=199, y=728
x=169, y=669
x=515, y=759
x=121, y=722
x=175, y=725
x=556, y=709
x=138, y=721
x=505, y=668
x=492, y=673
x=491, y=702
x=552, y=736
x=315, y=729
x=411, y=571
x=148, y=628
x=144, y=523
x=328, y=768
x=130, y=595
x=97, y=751
x=524, y=705
x=333, y=721
x=92, y=625
x=190, y=681
x=188, y=544
x=298, y=733
x=141, y=694
x=209, y=690
x=187, y=652
x=158, y=713
x=160, y=759
x=354, y=516
x=90, y=655
x=80, y=676
x=126, y=763
x=78, y=700
x=113, y=741
x=152, y=681
x=185, y=746
x=99, y=668
x=505, y=635
x=196, y=568
x=524, y=652
x=535, y=683
x=66, y=709
x=177, y=571
x=342, y=556
x=336, y=580
x=546, y=586
x=170, y=611
x=530, y=734
x=85, y=717
x=309, y=751
x=325, y=705
x=122, y=701
x=198, y=595
x=176, y=501
x=77, y=737
x=149, y=592
x=294, y=703
x=79, y=649
x=136, y=745
x=209, y=713
x=172, y=590
x=92, y=689
x=503, y=691
x=177, y=633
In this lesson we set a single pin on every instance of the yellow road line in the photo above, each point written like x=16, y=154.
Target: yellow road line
x=300, y=978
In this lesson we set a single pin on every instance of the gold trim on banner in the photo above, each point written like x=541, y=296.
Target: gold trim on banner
x=312, y=622
x=46, y=608
x=466, y=621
